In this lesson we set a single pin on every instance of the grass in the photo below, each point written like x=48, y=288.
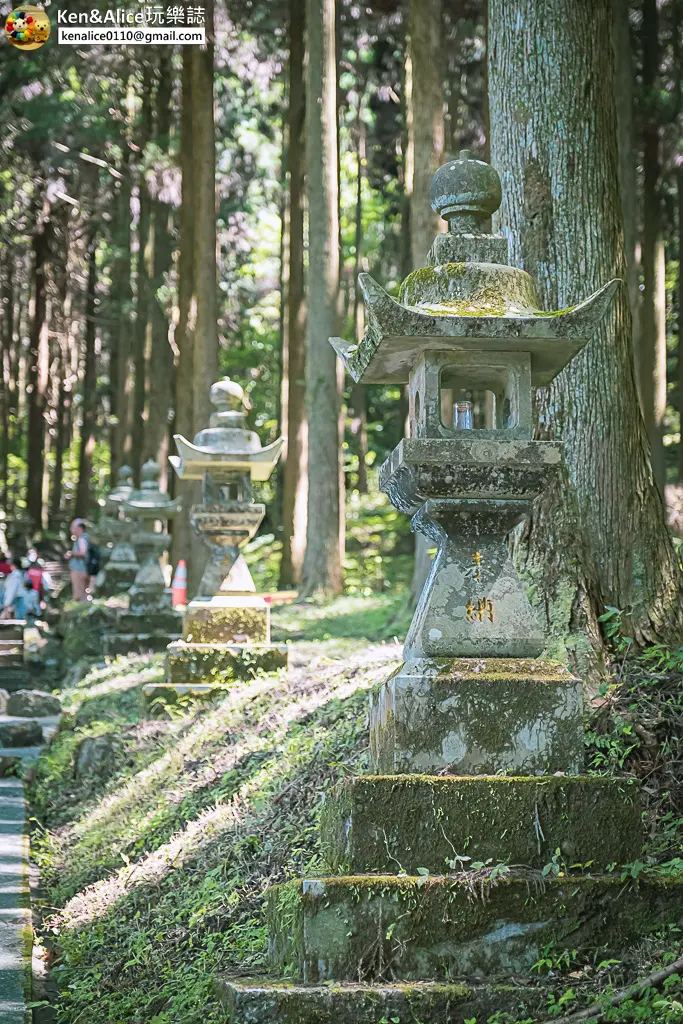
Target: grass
x=155, y=867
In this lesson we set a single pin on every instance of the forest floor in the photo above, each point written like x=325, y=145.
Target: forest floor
x=157, y=838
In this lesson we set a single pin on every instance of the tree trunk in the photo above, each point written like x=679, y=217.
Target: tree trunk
x=121, y=306
x=647, y=365
x=184, y=332
x=322, y=569
x=628, y=158
x=37, y=375
x=598, y=537
x=161, y=358
x=89, y=404
x=205, y=273
x=7, y=336
x=145, y=258
x=424, y=113
x=359, y=421
x=295, y=476
x=679, y=197
x=63, y=310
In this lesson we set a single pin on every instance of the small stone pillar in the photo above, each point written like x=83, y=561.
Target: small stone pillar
x=113, y=531
x=226, y=629
x=477, y=739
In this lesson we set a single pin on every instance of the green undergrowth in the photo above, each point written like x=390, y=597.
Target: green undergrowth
x=155, y=864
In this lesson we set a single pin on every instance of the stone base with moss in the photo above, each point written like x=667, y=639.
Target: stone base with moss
x=228, y=619
x=405, y=822
x=469, y=716
x=221, y=663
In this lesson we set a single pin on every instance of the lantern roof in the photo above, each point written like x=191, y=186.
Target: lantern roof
x=226, y=445
x=468, y=299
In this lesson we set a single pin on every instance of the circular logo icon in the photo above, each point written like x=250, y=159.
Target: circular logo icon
x=27, y=27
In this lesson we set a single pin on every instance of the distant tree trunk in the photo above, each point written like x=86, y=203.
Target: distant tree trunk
x=598, y=537
x=359, y=422
x=7, y=337
x=322, y=570
x=89, y=404
x=37, y=375
x=62, y=309
x=145, y=258
x=679, y=198
x=123, y=330
x=649, y=363
x=161, y=357
x=205, y=272
x=184, y=332
x=295, y=476
x=424, y=113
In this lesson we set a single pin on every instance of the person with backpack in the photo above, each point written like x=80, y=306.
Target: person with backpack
x=13, y=598
x=78, y=561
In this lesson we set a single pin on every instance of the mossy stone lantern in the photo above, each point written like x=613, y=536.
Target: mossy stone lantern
x=226, y=628
x=468, y=327
x=113, y=532
x=151, y=508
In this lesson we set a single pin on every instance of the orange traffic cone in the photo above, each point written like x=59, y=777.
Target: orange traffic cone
x=179, y=585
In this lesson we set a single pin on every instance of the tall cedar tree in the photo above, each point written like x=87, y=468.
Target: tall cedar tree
x=89, y=404
x=322, y=569
x=598, y=537
x=295, y=475
x=425, y=105
x=37, y=376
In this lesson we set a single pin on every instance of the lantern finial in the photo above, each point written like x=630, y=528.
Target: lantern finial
x=465, y=192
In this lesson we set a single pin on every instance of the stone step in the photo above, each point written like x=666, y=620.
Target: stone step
x=256, y=1000
x=195, y=663
x=12, y=629
x=436, y=928
x=13, y=679
x=137, y=643
x=478, y=716
x=376, y=823
x=167, y=622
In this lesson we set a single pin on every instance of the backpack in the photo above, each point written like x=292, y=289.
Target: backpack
x=92, y=559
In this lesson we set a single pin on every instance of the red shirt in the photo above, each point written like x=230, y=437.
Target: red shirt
x=36, y=577
x=5, y=568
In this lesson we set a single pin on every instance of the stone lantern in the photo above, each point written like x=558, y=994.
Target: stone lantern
x=112, y=532
x=477, y=739
x=226, y=630
x=151, y=509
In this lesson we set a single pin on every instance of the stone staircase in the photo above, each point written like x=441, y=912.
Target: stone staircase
x=13, y=672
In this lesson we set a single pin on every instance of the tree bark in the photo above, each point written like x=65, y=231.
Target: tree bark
x=37, y=375
x=322, y=570
x=89, y=404
x=295, y=475
x=628, y=158
x=63, y=311
x=425, y=151
x=649, y=360
x=205, y=297
x=161, y=357
x=184, y=332
x=359, y=421
x=679, y=200
x=145, y=258
x=122, y=305
x=598, y=537
x=7, y=335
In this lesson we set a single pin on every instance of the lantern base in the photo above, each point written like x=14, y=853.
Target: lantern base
x=478, y=716
x=239, y=618
x=222, y=663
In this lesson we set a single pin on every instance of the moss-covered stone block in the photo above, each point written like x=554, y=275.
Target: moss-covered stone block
x=159, y=695
x=258, y=1000
x=433, y=928
x=375, y=823
x=478, y=716
x=255, y=1000
x=244, y=618
x=222, y=663
x=135, y=643
x=163, y=621
x=84, y=627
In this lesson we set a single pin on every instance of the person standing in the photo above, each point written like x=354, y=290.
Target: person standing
x=13, y=605
x=78, y=557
